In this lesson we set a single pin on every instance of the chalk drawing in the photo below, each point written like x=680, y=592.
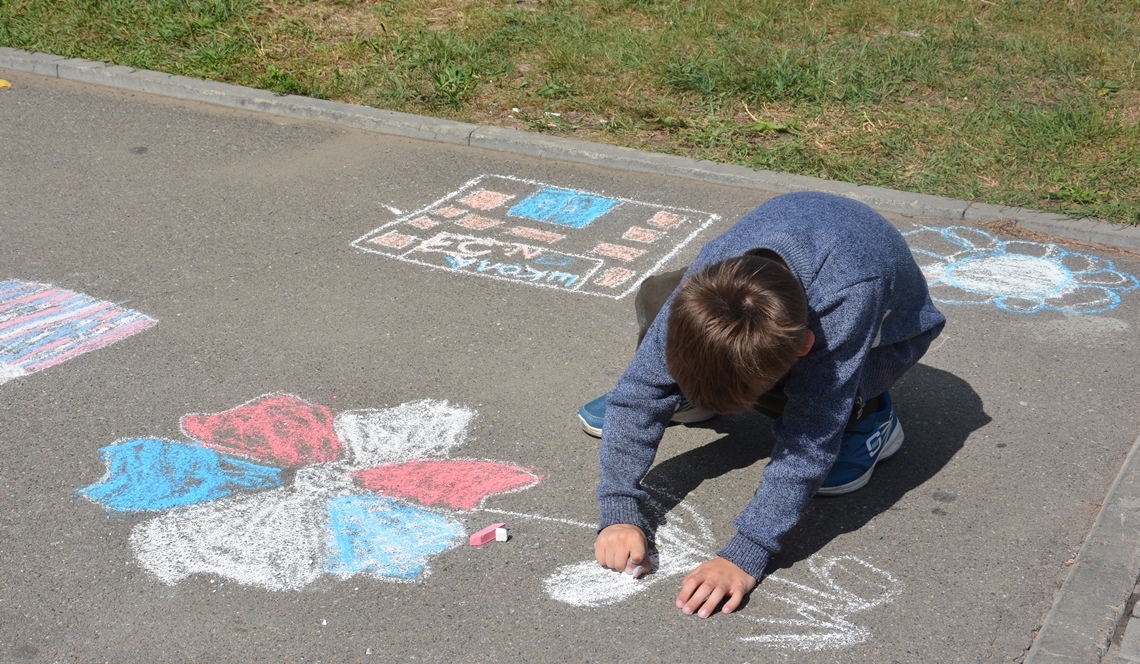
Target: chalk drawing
x=364, y=496
x=821, y=616
x=461, y=484
x=41, y=326
x=591, y=243
x=848, y=585
x=966, y=265
x=384, y=537
x=386, y=498
x=278, y=428
x=146, y=474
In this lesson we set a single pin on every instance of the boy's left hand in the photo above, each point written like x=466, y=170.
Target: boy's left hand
x=710, y=583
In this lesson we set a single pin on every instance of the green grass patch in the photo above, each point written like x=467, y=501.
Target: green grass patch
x=1013, y=102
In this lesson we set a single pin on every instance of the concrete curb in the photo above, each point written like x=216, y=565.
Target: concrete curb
x=553, y=147
x=1093, y=598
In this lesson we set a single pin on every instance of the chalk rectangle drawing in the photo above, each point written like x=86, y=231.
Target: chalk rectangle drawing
x=511, y=229
x=41, y=326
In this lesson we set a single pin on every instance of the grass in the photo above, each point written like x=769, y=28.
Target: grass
x=1014, y=102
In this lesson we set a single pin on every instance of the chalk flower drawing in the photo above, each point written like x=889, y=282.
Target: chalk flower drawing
x=279, y=492
x=683, y=540
x=965, y=265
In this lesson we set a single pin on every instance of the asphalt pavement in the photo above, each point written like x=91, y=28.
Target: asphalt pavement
x=267, y=363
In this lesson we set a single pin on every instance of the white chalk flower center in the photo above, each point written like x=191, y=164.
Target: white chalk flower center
x=1010, y=275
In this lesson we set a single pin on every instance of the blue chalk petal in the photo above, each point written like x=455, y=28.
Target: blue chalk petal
x=156, y=474
x=372, y=533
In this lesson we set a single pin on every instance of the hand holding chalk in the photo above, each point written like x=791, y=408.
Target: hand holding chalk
x=623, y=547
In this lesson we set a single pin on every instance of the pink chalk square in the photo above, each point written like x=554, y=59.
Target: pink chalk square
x=486, y=200
x=423, y=222
x=614, y=276
x=639, y=234
x=665, y=219
x=449, y=211
x=476, y=222
x=394, y=240
x=535, y=234
x=617, y=251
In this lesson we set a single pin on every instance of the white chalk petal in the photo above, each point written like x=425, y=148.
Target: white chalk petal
x=412, y=430
x=272, y=539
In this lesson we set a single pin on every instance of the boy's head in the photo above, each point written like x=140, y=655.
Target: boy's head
x=735, y=328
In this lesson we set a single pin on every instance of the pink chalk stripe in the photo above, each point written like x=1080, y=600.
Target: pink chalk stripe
x=49, y=292
x=97, y=312
x=100, y=341
x=46, y=316
x=41, y=309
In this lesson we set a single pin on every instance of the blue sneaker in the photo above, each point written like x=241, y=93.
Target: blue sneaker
x=593, y=415
x=865, y=443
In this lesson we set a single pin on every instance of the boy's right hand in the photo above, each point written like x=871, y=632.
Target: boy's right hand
x=623, y=547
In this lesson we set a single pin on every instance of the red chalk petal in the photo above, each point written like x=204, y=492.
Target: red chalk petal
x=453, y=482
x=278, y=428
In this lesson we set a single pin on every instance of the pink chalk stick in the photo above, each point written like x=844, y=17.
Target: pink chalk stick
x=486, y=535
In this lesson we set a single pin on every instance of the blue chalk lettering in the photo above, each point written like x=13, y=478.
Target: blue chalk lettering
x=157, y=474
x=562, y=207
x=377, y=534
x=556, y=260
x=460, y=263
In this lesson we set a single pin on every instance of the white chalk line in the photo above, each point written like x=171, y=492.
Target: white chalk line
x=535, y=517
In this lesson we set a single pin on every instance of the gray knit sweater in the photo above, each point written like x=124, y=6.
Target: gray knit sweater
x=872, y=317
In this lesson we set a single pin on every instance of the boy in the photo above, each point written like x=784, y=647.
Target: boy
x=808, y=309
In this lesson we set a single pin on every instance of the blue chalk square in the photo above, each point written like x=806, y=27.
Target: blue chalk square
x=562, y=207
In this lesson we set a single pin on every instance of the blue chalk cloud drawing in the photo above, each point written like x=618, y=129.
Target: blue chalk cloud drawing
x=966, y=265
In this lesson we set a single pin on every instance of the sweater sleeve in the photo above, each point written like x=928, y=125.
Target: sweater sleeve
x=821, y=390
x=637, y=411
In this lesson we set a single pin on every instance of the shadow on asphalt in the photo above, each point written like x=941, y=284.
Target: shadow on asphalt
x=938, y=412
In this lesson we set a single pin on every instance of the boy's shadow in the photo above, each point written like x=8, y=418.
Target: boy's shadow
x=937, y=410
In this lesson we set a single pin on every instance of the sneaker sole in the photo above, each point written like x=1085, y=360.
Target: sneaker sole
x=892, y=446
x=592, y=430
x=691, y=416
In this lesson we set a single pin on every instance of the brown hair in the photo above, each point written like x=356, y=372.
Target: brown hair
x=735, y=328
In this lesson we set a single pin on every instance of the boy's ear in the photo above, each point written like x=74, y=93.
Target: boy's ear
x=809, y=341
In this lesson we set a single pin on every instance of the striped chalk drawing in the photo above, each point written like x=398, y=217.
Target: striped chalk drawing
x=511, y=229
x=370, y=491
x=41, y=326
x=820, y=617
x=966, y=265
